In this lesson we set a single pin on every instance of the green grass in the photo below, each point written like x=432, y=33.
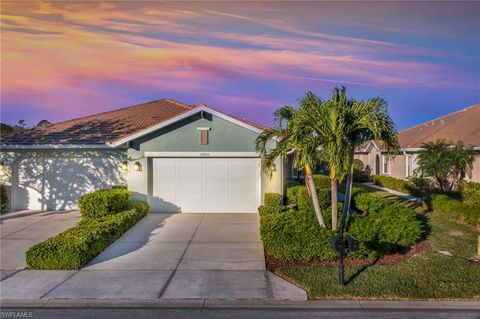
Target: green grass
x=428, y=275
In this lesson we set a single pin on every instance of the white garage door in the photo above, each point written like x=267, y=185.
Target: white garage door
x=57, y=183
x=212, y=185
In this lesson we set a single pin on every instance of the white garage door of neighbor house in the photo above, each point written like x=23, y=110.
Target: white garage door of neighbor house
x=212, y=185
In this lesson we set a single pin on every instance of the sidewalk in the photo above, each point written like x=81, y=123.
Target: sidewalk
x=397, y=193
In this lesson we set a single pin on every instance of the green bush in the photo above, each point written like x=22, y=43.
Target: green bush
x=296, y=236
x=265, y=210
x=104, y=202
x=292, y=194
x=77, y=246
x=322, y=181
x=120, y=187
x=448, y=205
x=470, y=192
x=3, y=199
x=304, y=201
x=291, y=182
x=387, y=226
x=273, y=200
x=396, y=184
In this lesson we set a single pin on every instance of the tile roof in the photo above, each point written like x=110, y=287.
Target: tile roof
x=463, y=125
x=104, y=127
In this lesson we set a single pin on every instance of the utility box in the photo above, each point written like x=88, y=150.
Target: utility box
x=353, y=243
x=337, y=243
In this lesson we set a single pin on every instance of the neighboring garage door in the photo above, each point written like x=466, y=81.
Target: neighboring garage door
x=57, y=183
x=213, y=185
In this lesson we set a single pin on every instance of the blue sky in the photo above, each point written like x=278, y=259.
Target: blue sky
x=62, y=60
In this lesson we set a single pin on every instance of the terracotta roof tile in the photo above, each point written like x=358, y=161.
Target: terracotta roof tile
x=104, y=127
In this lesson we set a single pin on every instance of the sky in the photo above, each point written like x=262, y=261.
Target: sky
x=67, y=59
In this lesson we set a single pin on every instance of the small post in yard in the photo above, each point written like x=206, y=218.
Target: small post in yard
x=340, y=244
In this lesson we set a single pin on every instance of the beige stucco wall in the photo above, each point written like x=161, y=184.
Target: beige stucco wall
x=397, y=166
x=475, y=174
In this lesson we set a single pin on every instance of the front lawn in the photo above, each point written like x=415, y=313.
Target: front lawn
x=428, y=275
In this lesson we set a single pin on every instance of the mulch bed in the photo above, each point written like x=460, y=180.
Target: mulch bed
x=422, y=246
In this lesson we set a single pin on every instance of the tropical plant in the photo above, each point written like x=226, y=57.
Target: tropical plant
x=341, y=124
x=447, y=163
x=292, y=134
x=43, y=123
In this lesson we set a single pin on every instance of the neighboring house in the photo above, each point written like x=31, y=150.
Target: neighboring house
x=461, y=126
x=182, y=158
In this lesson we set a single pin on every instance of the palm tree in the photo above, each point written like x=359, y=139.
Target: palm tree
x=292, y=135
x=445, y=162
x=341, y=125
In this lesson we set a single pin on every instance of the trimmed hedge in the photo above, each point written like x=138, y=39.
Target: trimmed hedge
x=104, y=202
x=387, y=226
x=273, y=199
x=304, y=201
x=3, y=199
x=470, y=192
x=455, y=208
x=322, y=181
x=396, y=184
x=296, y=236
x=77, y=246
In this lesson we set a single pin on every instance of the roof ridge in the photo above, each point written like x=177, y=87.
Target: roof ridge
x=441, y=117
x=176, y=102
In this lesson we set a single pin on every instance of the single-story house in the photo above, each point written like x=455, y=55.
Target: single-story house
x=181, y=158
x=461, y=126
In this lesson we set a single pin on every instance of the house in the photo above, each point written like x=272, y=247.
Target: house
x=181, y=158
x=461, y=126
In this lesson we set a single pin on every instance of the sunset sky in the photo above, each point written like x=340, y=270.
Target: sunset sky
x=62, y=60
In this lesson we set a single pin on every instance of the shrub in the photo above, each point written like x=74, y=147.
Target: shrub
x=304, y=201
x=77, y=246
x=449, y=205
x=291, y=182
x=421, y=184
x=321, y=181
x=265, y=210
x=273, y=200
x=3, y=199
x=120, y=187
x=292, y=194
x=296, y=236
x=395, y=184
x=387, y=226
x=470, y=192
x=104, y=202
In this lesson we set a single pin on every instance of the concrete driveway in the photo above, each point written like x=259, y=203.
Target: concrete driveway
x=21, y=230
x=169, y=256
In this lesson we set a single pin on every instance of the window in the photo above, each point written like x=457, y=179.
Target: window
x=385, y=164
x=409, y=166
x=203, y=135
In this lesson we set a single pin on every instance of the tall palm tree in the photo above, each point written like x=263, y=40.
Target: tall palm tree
x=292, y=135
x=342, y=124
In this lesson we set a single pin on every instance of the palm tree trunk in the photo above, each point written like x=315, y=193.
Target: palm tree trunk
x=334, y=189
x=348, y=191
x=313, y=194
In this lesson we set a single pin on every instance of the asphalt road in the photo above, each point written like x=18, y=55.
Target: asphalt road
x=244, y=313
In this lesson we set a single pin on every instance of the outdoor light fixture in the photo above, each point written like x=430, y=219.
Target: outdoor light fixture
x=137, y=166
x=2, y=167
x=125, y=166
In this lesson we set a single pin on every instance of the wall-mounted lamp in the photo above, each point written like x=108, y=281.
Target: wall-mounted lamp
x=125, y=166
x=2, y=167
x=137, y=166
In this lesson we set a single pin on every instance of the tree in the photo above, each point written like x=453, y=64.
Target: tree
x=292, y=135
x=447, y=163
x=21, y=124
x=43, y=123
x=342, y=124
x=5, y=129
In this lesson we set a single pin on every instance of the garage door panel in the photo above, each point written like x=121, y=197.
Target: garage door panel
x=217, y=185
x=164, y=186
x=244, y=178
x=207, y=184
x=190, y=185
